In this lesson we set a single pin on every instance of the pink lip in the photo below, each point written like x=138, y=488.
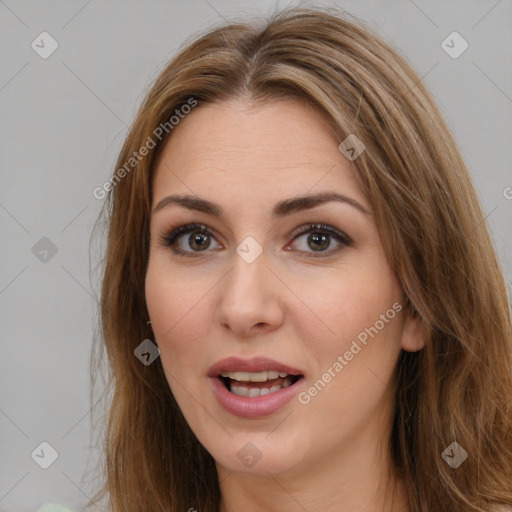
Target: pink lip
x=255, y=407
x=255, y=364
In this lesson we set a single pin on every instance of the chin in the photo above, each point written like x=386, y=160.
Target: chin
x=258, y=454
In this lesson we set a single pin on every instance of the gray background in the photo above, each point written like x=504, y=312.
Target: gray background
x=63, y=122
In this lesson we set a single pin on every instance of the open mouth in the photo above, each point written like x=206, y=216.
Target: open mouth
x=253, y=384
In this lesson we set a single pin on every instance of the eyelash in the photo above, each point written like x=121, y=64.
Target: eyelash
x=170, y=239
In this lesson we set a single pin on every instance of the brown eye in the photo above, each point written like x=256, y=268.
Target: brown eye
x=199, y=239
x=319, y=239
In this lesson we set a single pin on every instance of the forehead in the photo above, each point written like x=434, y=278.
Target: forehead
x=260, y=151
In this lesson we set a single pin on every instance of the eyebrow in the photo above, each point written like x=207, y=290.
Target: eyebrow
x=281, y=209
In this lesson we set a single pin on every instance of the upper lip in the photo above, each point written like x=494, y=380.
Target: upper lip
x=253, y=364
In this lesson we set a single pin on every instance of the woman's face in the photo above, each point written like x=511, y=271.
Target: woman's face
x=305, y=323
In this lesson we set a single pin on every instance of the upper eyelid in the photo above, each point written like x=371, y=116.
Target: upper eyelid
x=199, y=226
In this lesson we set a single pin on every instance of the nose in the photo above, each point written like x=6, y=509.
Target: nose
x=250, y=298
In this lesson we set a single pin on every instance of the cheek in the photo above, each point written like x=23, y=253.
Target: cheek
x=176, y=307
x=354, y=350
x=339, y=305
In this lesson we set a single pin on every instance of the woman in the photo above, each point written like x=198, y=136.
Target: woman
x=292, y=225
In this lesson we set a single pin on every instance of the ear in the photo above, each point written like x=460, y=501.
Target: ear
x=414, y=331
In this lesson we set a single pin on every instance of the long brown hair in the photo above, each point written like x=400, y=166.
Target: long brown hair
x=458, y=388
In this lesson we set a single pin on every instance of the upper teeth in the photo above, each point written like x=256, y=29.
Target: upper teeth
x=254, y=376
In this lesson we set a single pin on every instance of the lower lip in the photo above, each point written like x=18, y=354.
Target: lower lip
x=255, y=407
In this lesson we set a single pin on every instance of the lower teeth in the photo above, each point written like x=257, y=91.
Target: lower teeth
x=254, y=392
